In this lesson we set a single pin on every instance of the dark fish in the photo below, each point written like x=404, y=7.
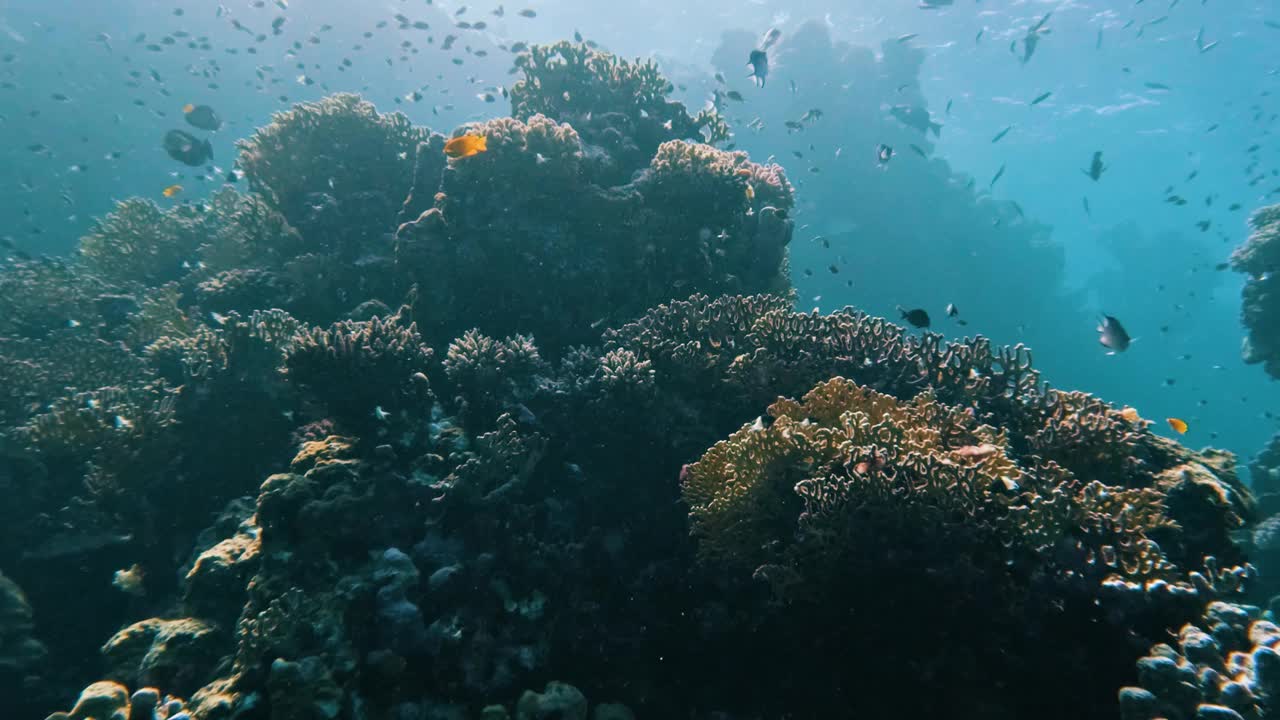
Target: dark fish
x=1112, y=335
x=203, y=117
x=1042, y=97
x=1096, y=167
x=919, y=150
x=883, y=154
x=186, y=149
x=917, y=317
x=999, y=174
x=916, y=117
x=1001, y=134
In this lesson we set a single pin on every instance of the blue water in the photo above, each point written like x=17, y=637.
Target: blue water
x=1116, y=261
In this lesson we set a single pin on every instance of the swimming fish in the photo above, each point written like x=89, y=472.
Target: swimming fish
x=999, y=174
x=1001, y=134
x=917, y=317
x=186, y=149
x=1179, y=426
x=1041, y=97
x=1112, y=335
x=466, y=146
x=171, y=190
x=883, y=154
x=1096, y=167
x=202, y=116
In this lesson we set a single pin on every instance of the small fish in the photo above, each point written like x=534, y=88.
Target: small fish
x=380, y=414
x=202, y=116
x=1112, y=335
x=466, y=145
x=952, y=310
x=1156, y=86
x=1096, y=167
x=750, y=193
x=918, y=150
x=947, y=111
x=884, y=153
x=1085, y=202
x=527, y=13
x=917, y=317
x=734, y=95
x=999, y=174
x=1179, y=426
x=1042, y=97
x=186, y=149
x=171, y=191
x=1001, y=134
x=907, y=38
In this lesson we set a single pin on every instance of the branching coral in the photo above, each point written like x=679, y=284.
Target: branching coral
x=140, y=244
x=65, y=362
x=365, y=373
x=333, y=164
x=487, y=373
x=616, y=104
x=40, y=296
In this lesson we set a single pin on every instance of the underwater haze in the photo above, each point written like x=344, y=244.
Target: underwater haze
x=416, y=359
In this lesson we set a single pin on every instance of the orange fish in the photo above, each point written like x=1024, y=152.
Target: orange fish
x=1179, y=426
x=466, y=146
x=172, y=190
x=188, y=108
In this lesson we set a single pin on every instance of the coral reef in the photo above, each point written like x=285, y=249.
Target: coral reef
x=1224, y=666
x=617, y=105
x=832, y=497
x=400, y=435
x=1259, y=258
x=521, y=241
x=336, y=168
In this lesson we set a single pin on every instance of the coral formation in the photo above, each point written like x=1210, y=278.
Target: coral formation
x=1226, y=665
x=336, y=168
x=1259, y=258
x=520, y=240
x=618, y=105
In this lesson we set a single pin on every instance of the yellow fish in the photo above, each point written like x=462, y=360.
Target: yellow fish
x=188, y=108
x=172, y=190
x=1179, y=426
x=466, y=146
x=751, y=193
